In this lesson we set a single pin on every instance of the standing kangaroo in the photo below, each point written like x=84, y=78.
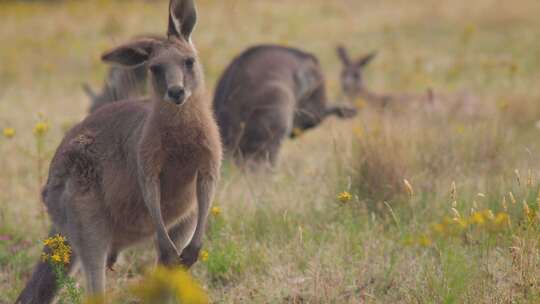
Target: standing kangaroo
x=265, y=94
x=133, y=171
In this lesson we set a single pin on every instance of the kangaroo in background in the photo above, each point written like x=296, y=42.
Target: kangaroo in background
x=352, y=81
x=462, y=103
x=122, y=83
x=133, y=171
x=265, y=94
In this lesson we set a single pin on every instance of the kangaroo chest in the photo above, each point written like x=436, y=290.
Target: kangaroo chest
x=180, y=164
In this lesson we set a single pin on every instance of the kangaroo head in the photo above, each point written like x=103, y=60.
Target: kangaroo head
x=351, y=73
x=172, y=62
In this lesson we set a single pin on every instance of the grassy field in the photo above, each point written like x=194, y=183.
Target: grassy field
x=445, y=197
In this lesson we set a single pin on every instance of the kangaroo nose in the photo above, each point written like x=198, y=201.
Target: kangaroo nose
x=176, y=94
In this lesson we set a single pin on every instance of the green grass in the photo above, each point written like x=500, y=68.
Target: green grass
x=284, y=237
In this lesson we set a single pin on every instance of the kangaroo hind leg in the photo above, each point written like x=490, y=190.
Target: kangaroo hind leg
x=88, y=230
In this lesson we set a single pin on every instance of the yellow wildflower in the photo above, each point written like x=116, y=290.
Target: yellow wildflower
x=409, y=241
x=344, y=197
x=162, y=284
x=478, y=219
x=216, y=211
x=9, y=132
x=203, y=256
x=41, y=128
x=501, y=219
x=424, y=241
x=60, y=251
x=56, y=258
x=439, y=228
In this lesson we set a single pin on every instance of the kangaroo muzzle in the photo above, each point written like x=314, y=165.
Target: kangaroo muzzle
x=177, y=95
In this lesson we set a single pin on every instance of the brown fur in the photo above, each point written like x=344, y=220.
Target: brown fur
x=132, y=170
x=266, y=94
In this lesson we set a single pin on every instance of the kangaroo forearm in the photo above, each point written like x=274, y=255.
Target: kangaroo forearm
x=205, y=194
x=152, y=200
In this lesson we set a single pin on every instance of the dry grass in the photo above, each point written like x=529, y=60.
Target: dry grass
x=284, y=237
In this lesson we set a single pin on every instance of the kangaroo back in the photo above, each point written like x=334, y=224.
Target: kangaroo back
x=264, y=94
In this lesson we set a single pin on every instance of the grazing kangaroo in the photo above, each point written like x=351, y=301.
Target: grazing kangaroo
x=122, y=83
x=352, y=82
x=462, y=103
x=265, y=94
x=133, y=171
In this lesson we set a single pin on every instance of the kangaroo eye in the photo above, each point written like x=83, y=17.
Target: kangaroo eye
x=189, y=63
x=156, y=69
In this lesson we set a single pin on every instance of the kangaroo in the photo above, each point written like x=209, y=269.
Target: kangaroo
x=463, y=104
x=122, y=83
x=266, y=94
x=132, y=171
x=352, y=82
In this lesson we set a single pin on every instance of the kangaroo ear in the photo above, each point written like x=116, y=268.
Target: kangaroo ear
x=89, y=91
x=343, y=55
x=364, y=60
x=130, y=54
x=182, y=18
x=343, y=112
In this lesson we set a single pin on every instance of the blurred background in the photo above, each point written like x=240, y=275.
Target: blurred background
x=286, y=237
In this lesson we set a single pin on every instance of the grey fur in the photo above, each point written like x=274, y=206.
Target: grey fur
x=122, y=83
x=352, y=80
x=266, y=93
x=133, y=171
x=353, y=86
